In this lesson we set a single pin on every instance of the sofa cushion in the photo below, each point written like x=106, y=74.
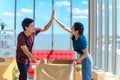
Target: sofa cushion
x=54, y=54
x=58, y=55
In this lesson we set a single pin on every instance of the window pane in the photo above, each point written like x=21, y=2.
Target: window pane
x=103, y=35
x=43, y=12
x=80, y=13
x=7, y=33
x=62, y=37
x=23, y=11
x=7, y=13
x=118, y=39
x=110, y=38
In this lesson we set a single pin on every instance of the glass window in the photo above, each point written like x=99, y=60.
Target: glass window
x=62, y=37
x=103, y=35
x=24, y=10
x=7, y=13
x=110, y=37
x=7, y=32
x=80, y=13
x=118, y=39
x=43, y=12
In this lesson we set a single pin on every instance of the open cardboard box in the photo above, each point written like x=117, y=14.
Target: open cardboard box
x=55, y=70
x=52, y=61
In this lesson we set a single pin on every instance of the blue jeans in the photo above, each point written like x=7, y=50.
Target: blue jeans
x=23, y=69
x=87, y=68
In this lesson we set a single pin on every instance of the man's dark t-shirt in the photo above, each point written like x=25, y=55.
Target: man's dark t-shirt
x=25, y=40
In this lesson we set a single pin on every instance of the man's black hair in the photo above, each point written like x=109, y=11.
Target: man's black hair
x=26, y=22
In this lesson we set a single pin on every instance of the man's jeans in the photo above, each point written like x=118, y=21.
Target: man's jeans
x=23, y=69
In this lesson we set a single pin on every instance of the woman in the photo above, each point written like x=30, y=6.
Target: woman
x=80, y=46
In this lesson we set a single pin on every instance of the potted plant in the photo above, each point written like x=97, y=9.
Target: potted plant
x=78, y=66
x=78, y=71
x=2, y=25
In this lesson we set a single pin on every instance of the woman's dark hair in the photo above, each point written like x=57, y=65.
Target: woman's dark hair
x=26, y=22
x=78, y=27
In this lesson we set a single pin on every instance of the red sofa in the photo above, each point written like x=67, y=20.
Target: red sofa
x=51, y=54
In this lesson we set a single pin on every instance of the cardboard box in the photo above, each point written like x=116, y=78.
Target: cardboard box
x=7, y=68
x=108, y=73
x=78, y=75
x=112, y=77
x=2, y=59
x=98, y=75
x=56, y=71
x=52, y=61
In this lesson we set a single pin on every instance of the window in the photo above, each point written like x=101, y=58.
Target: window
x=43, y=12
x=7, y=13
x=62, y=37
x=118, y=39
x=23, y=11
x=107, y=20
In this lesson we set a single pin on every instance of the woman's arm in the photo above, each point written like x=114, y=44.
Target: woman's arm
x=85, y=54
x=61, y=24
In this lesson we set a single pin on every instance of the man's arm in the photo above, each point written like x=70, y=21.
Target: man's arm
x=49, y=24
x=28, y=53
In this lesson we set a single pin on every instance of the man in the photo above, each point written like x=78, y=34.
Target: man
x=25, y=44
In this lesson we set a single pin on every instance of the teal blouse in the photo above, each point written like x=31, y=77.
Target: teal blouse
x=80, y=44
